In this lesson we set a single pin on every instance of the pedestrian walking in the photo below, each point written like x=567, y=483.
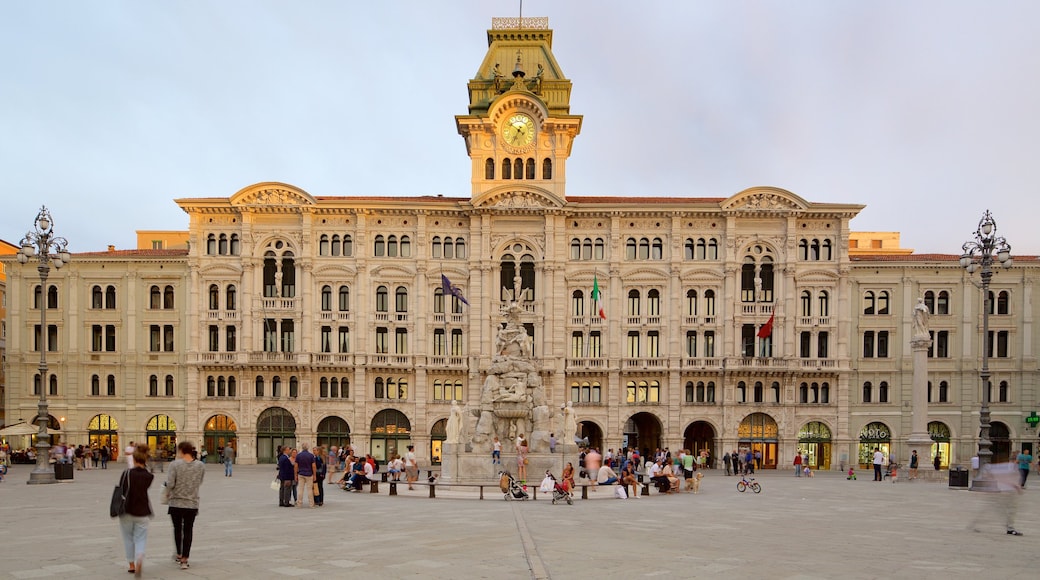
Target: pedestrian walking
x=411, y=467
x=726, y=462
x=1002, y=492
x=182, y=492
x=321, y=465
x=229, y=459
x=129, y=451
x=1025, y=459
x=133, y=522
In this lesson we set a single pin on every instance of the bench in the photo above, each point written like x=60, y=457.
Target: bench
x=434, y=485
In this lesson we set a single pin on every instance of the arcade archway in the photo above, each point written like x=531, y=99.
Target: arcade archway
x=438, y=434
x=218, y=432
x=940, y=435
x=642, y=432
x=591, y=431
x=161, y=433
x=814, y=441
x=1000, y=436
x=874, y=435
x=700, y=436
x=391, y=433
x=333, y=430
x=759, y=433
x=104, y=430
x=275, y=428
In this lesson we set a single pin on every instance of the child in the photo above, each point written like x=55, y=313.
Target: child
x=808, y=472
x=852, y=475
x=895, y=472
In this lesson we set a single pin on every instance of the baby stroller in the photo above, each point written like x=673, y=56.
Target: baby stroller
x=511, y=489
x=559, y=493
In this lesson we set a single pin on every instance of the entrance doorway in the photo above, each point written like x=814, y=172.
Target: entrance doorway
x=643, y=433
x=333, y=430
x=814, y=440
x=218, y=432
x=759, y=433
x=161, y=433
x=53, y=430
x=591, y=432
x=874, y=435
x=940, y=435
x=104, y=430
x=275, y=428
x=391, y=434
x=1000, y=435
x=700, y=436
x=437, y=436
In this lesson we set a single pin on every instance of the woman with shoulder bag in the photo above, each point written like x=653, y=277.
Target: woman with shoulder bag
x=182, y=493
x=133, y=522
x=321, y=466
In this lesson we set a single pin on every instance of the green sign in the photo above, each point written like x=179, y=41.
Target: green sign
x=1032, y=419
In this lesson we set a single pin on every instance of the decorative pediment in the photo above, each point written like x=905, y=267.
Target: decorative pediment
x=334, y=272
x=765, y=199
x=702, y=275
x=645, y=275
x=817, y=276
x=221, y=269
x=272, y=194
x=392, y=273
x=512, y=199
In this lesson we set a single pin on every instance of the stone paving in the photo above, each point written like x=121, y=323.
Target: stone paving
x=824, y=527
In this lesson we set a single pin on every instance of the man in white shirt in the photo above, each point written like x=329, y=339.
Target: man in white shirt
x=411, y=467
x=879, y=459
x=606, y=476
x=655, y=476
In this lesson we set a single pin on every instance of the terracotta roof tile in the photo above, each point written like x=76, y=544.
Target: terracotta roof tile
x=145, y=253
x=927, y=258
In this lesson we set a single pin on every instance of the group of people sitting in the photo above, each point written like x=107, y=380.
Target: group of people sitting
x=358, y=472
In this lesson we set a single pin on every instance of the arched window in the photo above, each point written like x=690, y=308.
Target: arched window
x=825, y=304
x=231, y=298
x=214, y=297
x=382, y=299
x=344, y=298
x=154, y=298
x=688, y=249
x=547, y=168
x=235, y=245
x=803, y=393
x=578, y=303
x=644, y=249
x=944, y=392
x=633, y=302
x=575, y=249
x=1003, y=300
x=883, y=392
x=518, y=168
x=391, y=247
x=814, y=250
x=110, y=297
x=489, y=168
x=380, y=247
x=222, y=245
x=869, y=302
x=586, y=249
x=827, y=253
x=168, y=297
x=530, y=169
x=929, y=301
x=630, y=249
x=348, y=245
x=323, y=245
x=653, y=303
x=323, y=389
x=759, y=392
x=211, y=386
x=326, y=298
x=294, y=387
x=460, y=248
x=401, y=299
x=741, y=392
x=437, y=251
x=221, y=387
x=449, y=248
x=882, y=302
x=657, y=249
x=942, y=302
x=335, y=245
x=169, y=385
x=111, y=385
x=259, y=386
x=691, y=303
x=276, y=387
x=97, y=298
x=702, y=249
x=211, y=245
x=406, y=247
x=597, y=249
x=868, y=392
x=803, y=249
x=713, y=249
x=709, y=303
x=507, y=169
x=806, y=303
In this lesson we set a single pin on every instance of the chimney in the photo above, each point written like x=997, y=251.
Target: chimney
x=111, y=248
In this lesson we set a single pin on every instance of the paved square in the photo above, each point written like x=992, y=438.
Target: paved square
x=825, y=527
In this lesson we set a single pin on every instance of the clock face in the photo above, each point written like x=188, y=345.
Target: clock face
x=518, y=130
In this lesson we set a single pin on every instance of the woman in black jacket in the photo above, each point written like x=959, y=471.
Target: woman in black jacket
x=133, y=523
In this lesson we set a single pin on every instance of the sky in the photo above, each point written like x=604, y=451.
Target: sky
x=925, y=111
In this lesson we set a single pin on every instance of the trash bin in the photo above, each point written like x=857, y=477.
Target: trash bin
x=958, y=477
x=62, y=471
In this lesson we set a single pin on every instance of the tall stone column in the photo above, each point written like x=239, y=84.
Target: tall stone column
x=919, y=439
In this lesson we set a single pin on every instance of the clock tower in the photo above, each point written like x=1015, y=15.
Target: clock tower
x=519, y=129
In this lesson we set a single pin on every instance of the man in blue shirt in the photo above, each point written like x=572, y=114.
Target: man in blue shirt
x=305, y=473
x=286, y=475
x=1025, y=459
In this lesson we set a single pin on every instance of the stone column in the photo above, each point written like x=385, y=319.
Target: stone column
x=919, y=439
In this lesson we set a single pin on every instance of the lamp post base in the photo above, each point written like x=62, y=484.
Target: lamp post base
x=38, y=477
x=983, y=485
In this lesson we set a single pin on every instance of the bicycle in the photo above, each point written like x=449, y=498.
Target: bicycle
x=746, y=482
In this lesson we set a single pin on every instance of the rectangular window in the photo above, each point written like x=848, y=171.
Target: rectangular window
x=709, y=344
x=344, y=339
x=804, y=344
x=230, y=338
x=457, y=348
x=154, y=338
x=653, y=344
x=868, y=344
x=577, y=345
x=691, y=343
x=882, y=344
x=401, y=340
x=214, y=338
x=633, y=344
x=595, y=344
x=942, y=344
x=822, y=344
x=383, y=340
x=438, y=342
x=326, y=339
x=96, y=338
x=168, y=338
x=999, y=343
x=110, y=338
x=270, y=335
x=288, y=335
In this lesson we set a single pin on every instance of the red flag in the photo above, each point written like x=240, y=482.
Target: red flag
x=767, y=329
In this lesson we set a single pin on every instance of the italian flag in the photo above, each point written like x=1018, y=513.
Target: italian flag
x=597, y=298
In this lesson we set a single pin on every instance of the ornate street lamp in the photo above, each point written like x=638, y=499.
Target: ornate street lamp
x=979, y=255
x=39, y=244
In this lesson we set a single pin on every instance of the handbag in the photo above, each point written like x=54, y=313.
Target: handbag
x=314, y=489
x=276, y=485
x=164, y=496
x=117, y=506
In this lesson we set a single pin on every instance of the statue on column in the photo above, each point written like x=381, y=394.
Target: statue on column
x=920, y=319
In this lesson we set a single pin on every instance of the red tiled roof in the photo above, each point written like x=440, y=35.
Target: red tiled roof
x=639, y=200
x=925, y=258
x=426, y=198
x=146, y=253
